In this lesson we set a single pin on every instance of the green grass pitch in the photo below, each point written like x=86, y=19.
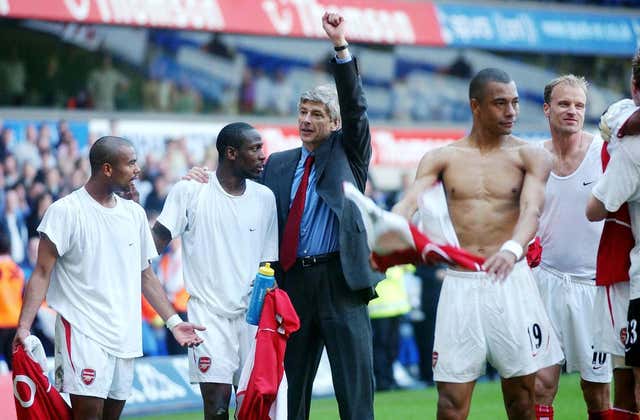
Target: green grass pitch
x=421, y=404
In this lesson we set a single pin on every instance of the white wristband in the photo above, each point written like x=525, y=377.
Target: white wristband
x=173, y=321
x=513, y=247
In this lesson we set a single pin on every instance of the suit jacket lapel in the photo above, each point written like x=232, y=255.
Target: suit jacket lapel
x=323, y=154
x=285, y=180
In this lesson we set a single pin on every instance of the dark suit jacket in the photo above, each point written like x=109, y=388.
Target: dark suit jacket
x=344, y=156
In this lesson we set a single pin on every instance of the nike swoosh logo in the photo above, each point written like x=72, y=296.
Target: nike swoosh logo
x=587, y=183
x=251, y=229
x=131, y=244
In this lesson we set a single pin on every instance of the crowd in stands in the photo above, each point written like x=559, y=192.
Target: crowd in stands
x=265, y=84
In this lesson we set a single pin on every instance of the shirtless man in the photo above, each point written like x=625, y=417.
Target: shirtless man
x=495, y=193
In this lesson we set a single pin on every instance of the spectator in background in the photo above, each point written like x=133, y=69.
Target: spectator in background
x=216, y=47
x=11, y=285
x=247, y=95
x=16, y=227
x=11, y=173
x=6, y=141
x=460, y=67
x=50, y=85
x=28, y=175
x=263, y=91
x=26, y=151
x=176, y=158
x=282, y=93
x=186, y=99
x=41, y=204
x=401, y=99
x=385, y=312
x=103, y=84
x=53, y=182
x=158, y=195
x=13, y=77
x=424, y=327
x=156, y=93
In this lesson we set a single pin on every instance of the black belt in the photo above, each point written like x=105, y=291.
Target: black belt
x=311, y=260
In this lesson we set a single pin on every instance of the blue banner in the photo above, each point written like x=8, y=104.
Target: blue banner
x=161, y=385
x=509, y=28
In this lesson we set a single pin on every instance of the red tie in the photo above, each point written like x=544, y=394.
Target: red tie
x=291, y=235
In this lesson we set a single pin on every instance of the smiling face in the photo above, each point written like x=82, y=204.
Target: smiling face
x=566, y=108
x=497, y=109
x=124, y=168
x=314, y=124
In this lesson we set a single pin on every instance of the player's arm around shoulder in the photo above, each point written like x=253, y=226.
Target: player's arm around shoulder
x=430, y=170
x=36, y=289
x=172, y=221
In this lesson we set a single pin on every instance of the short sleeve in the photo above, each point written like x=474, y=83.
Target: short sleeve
x=59, y=225
x=147, y=244
x=174, y=213
x=620, y=181
x=270, y=249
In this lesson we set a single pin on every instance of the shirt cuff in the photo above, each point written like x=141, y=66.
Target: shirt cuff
x=343, y=60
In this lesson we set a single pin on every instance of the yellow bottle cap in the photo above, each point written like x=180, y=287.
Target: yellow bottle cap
x=266, y=270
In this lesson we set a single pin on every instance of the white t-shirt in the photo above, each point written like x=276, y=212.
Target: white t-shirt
x=224, y=239
x=619, y=184
x=569, y=240
x=96, y=281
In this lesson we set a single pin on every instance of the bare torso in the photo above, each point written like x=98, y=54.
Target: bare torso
x=483, y=192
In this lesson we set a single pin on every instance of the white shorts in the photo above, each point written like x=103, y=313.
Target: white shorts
x=569, y=302
x=83, y=367
x=610, y=318
x=227, y=341
x=482, y=320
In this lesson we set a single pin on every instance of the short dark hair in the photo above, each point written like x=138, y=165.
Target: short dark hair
x=635, y=70
x=484, y=77
x=106, y=150
x=232, y=135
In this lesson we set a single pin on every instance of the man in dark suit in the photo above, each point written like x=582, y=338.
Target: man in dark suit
x=324, y=258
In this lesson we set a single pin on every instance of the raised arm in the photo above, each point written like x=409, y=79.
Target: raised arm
x=36, y=289
x=429, y=171
x=353, y=105
x=537, y=165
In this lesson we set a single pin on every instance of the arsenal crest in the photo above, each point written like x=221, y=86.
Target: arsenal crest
x=88, y=375
x=204, y=363
x=434, y=359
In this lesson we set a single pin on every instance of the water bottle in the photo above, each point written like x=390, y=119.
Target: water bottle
x=264, y=280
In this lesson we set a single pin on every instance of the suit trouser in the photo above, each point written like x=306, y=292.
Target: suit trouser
x=334, y=316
